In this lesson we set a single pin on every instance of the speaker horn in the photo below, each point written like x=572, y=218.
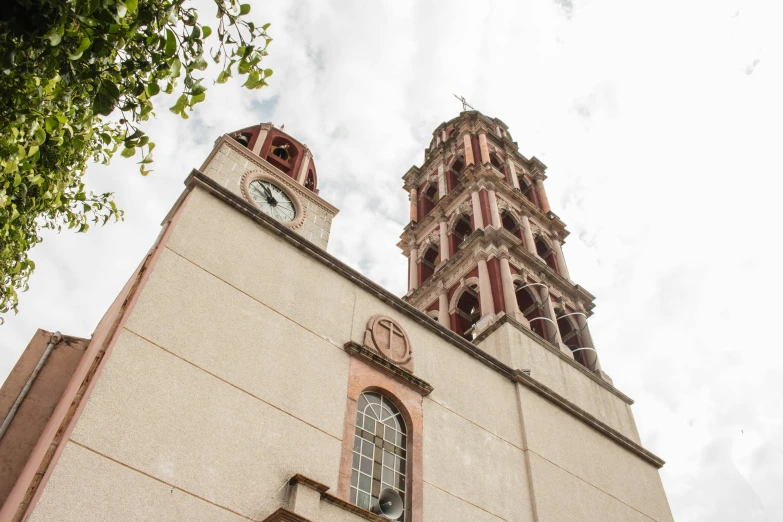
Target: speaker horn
x=389, y=504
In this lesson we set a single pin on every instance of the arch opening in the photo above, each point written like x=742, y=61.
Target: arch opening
x=530, y=306
x=468, y=313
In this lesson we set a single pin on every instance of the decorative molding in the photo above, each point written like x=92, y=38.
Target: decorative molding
x=385, y=335
x=391, y=369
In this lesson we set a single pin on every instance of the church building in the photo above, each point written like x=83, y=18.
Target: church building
x=245, y=374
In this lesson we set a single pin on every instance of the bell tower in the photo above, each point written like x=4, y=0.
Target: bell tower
x=483, y=243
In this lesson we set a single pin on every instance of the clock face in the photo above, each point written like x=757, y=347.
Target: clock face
x=272, y=200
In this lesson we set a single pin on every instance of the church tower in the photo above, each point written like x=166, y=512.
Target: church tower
x=483, y=243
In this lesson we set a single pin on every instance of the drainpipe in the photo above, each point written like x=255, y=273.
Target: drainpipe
x=53, y=340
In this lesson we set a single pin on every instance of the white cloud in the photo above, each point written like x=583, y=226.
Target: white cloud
x=662, y=157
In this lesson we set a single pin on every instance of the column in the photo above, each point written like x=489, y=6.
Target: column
x=305, y=165
x=443, y=308
x=484, y=148
x=485, y=289
x=442, y=189
x=542, y=195
x=560, y=259
x=478, y=221
x=494, y=213
x=530, y=243
x=444, y=240
x=260, y=139
x=443, y=135
x=413, y=279
x=553, y=332
x=509, y=296
x=414, y=204
x=468, y=150
x=587, y=341
x=512, y=169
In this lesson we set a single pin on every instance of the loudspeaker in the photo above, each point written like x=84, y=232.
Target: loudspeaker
x=389, y=504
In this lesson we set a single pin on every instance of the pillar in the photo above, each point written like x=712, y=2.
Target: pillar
x=442, y=188
x=484, y=148
x=494, y=213
x=512, y=169
x=478, y=221
x=509, y=296
x=413, y=275
x=485, y=289
x=414, y=204
x=260, y=139
x=560, y=259
x=587, y=341
x=553, y=332
x=305, y=165
x=443, y=308
x=443, y=135
x=468, y=150
x=530, y=243
x=542, y=196
x=444, y=240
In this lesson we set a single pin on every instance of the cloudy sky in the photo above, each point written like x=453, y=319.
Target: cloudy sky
x=660, y=124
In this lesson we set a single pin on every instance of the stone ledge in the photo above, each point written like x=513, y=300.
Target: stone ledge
x=307, y=481
x=505, y=318
x=351, y=508
x=388, y=367
x=523, y=378
x=285, y=515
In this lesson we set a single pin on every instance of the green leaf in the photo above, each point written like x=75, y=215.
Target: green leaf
x=10, y=166
x=205, y=31
x=265, y=26
x=171, y=44
x=197, y=98
x=244, y=9
x=153, y=89
x=223, y=76
x=182, y=102
x=175, y=67
x=131, y=5
x=268, y=72
x=51, y=124
x=54, y=39
x=39, y=136
x=128, y=152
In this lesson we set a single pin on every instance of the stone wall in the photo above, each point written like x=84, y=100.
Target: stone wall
x=230, y=377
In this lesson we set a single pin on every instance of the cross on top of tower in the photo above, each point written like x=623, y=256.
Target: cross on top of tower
x=465, y=104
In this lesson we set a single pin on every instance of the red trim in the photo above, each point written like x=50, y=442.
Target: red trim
x=484, y=202
x=493, y=266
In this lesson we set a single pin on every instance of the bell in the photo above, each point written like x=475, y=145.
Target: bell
x=241, y=138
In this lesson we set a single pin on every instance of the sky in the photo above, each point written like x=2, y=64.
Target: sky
x=660, y=125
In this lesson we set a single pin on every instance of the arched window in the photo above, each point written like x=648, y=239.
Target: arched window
x=468, y=313
x=545, y=252
x=510, y=224
x=282, y=154
x=570, y=333
x=428, y=200
x=530, y=307
x=526, y=188
x=462, y=230
x=429, y=261
x=379, y=451
x=498, y=164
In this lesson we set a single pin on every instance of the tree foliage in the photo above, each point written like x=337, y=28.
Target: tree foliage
x=65, y=67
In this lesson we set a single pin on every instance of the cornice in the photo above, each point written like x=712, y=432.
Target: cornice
x=394, y=371
x=198, y=180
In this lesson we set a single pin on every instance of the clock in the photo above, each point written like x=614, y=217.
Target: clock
x=272, y=200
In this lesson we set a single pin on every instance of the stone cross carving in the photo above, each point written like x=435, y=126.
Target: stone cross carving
x=388, y=338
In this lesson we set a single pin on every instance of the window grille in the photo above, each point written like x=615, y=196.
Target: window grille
x=379, y=451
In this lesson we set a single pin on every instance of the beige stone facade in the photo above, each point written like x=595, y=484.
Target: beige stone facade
x=217, y=386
